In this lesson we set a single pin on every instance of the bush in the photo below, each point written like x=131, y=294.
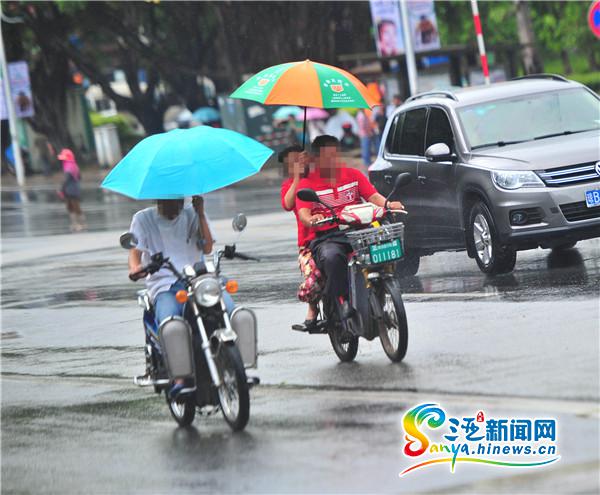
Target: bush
x=590, y=79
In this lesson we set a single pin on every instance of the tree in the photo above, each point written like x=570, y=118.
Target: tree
x=32, y=41
x=531, y=58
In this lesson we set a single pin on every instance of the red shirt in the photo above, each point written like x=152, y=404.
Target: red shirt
x=351, y=185
x=305, y=235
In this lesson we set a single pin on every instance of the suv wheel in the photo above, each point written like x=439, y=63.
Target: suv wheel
x=492, y=257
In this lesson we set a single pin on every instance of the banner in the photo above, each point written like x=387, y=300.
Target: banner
x=388, y=27
x=387, y=24
x=20, y=88
x=423, y=25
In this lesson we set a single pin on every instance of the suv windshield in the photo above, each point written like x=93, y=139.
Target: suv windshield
x=524, y=118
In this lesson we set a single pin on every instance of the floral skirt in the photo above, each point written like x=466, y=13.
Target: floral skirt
x=312, y=286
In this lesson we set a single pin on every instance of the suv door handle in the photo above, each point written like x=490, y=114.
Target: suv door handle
x=422, y=179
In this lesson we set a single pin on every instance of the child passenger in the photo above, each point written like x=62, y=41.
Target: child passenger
x=295, y=165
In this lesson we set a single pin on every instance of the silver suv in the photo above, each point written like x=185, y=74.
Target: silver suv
x=497, y=169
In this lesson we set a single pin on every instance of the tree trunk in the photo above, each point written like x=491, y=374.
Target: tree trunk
x=564, y=55
x=531, y=58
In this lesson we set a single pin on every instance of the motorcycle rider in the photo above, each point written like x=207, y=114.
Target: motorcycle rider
x=181, y=233
x=337, y=186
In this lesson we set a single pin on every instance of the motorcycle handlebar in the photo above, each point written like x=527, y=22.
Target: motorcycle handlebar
x=245, y=257
x=323, y=221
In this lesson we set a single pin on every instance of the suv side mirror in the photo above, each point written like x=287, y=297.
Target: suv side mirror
x=438, y=152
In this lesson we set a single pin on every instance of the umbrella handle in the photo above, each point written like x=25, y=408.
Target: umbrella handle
x=304, y=131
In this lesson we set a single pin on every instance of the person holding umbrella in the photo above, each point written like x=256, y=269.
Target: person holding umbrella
x=168, y=167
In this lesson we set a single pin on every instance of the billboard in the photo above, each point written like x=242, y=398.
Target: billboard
x=20, y=88
x=423, y=25
x=387, y=25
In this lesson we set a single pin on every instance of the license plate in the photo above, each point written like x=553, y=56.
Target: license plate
x=592, y=198
x=388, y=251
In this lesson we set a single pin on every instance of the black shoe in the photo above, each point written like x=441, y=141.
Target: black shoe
x=310, y=324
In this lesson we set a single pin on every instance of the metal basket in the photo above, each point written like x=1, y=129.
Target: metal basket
x=362, y=239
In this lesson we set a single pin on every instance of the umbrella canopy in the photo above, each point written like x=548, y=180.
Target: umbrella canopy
x=206, y=114
x=186, y=162
x=285, y=112
x=306, y=84
x=314, y=114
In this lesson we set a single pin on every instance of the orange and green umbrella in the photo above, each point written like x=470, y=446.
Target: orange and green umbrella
x=306, y=84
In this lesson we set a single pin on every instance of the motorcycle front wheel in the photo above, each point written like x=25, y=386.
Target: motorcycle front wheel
x=234, y=395
x=182, y=410
x=393, y=328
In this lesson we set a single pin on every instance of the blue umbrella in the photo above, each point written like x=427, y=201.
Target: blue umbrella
x=285, y=112
x=185, y=162
x=206, y=114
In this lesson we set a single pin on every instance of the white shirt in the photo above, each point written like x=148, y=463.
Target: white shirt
x=177, y=239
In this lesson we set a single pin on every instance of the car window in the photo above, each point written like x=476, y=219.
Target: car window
x=412, y=137
x=439, y=129
x=392, y=144
x=529, y=117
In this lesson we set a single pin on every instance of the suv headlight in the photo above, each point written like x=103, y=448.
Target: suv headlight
x=207, y=292
x=516, y=179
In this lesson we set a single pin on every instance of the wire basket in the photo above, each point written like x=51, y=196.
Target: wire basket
x=361, y=240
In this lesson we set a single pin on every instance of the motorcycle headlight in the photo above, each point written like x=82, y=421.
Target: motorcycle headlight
x=516, y=179
x=207, y=292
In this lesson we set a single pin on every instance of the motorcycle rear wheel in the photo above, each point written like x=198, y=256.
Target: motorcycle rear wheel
x=344, y=346
x=393, y=329
x=234, y=395
x=182, y=410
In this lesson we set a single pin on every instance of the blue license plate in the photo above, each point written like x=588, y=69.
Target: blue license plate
x=592, y=198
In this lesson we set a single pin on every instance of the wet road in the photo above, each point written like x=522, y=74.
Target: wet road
x=71, y=340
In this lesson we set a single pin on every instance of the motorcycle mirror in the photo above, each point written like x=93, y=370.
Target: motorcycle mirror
x=308, y=195
x=239, y=222
x=402, y=179
x=128, y=240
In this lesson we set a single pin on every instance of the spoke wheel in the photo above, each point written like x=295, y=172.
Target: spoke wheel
x=233, y=392
x=183, y=410
x=393, y=329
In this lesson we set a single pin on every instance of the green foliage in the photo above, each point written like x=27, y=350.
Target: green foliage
x=590, y=79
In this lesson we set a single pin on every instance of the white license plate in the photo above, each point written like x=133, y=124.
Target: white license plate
x=592, y=198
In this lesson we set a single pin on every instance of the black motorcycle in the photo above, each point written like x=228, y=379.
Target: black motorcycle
x=375, y=294
x=207, y=349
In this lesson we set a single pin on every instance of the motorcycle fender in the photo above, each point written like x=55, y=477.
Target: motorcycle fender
x=176, y=344
x=243, y=322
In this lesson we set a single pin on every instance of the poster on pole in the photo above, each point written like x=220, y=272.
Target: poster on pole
x=20, y=88
x=388, y=27
x=423, y=25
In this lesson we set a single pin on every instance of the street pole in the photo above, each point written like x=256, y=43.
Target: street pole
x=12, y=116
x=409, y=52
x=480, y=43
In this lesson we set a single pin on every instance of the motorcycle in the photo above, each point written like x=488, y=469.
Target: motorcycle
x=207, y=348
x=374, y=290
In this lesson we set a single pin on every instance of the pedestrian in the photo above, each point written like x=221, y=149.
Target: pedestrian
x=365, y=133
x=71, y=189
x=396, y=102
